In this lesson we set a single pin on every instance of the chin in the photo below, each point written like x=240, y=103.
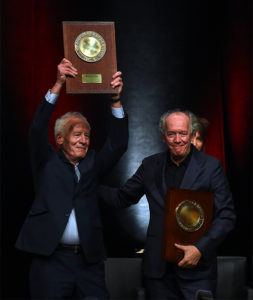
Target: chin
x=179, y=155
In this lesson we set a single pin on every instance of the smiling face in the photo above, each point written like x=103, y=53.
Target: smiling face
x=177, y=135
x=75, y=140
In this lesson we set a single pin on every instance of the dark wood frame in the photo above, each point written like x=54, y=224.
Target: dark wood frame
x=173, y=233
x=107, y=66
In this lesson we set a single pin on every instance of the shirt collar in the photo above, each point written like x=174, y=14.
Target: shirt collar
x=64, y=158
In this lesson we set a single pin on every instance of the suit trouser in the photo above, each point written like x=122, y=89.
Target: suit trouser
x=66, y=275
x=171, y=286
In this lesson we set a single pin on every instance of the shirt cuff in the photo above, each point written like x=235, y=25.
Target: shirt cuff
x=51, y=98
x=118, y=112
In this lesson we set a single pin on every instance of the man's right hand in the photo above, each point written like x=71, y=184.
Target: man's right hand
x=65, y=68
x=191, y=258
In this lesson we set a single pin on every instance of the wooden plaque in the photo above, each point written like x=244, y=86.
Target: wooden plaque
x=90, y=46
x=188, y=216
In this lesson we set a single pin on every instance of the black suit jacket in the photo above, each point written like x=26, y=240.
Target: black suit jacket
x=57, y=190
x=204, y=173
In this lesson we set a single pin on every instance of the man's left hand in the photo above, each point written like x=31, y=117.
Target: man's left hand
x=191, y=258
x=117, y=83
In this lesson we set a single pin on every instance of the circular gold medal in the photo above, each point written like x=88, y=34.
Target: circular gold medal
x=90, y=46
x=189, y=215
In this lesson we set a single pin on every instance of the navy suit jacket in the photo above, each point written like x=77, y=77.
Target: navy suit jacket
x=57, y=190
x=204, y=173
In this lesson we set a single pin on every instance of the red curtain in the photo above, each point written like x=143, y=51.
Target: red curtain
x=32, y=40
x=237, y=76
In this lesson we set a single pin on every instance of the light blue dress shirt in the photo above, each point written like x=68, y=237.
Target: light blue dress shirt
x=70, y=234
x=117, y=112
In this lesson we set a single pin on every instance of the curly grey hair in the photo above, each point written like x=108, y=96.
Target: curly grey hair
x=189, y=114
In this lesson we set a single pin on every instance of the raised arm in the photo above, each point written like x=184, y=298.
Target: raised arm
x=116, y=83
x=38, y=137
x=117, y=138
x=64, y=69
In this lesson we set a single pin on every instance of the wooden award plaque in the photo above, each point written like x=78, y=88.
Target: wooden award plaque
x=188, y=216
x=90, y=46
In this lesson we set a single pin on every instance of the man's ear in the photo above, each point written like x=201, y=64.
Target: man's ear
x=59, y=139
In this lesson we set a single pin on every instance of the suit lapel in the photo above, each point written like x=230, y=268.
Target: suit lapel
x=85, y=168
x=192, y=171
x=86, y=163
x=160, y=175
x=86, y=171
x=191, y=174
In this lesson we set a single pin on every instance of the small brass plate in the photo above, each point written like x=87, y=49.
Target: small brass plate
x=189, y=215
x=91, y=78
x=90, y=46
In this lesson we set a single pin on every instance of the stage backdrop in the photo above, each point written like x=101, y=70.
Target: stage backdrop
x=173, y=54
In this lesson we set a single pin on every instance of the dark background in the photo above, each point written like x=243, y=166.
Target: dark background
x=187, y=54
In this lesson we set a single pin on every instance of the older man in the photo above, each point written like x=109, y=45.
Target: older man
x=182, y=166
x=63, y=228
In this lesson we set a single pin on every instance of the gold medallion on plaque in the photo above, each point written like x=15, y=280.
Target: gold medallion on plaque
x=189, y=215
x=90, y=46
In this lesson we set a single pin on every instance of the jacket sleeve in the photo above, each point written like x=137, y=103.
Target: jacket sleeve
x=224, y=215
x=130, y=193
x=38, y=134
x=115, y=145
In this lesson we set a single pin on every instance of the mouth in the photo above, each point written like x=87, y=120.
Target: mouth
x=178, y=147
x=81, y=149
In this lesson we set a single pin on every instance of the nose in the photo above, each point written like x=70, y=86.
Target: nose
x=177, y=138
x=83, y=139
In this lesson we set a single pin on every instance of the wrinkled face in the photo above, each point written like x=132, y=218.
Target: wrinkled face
x=76, y=139
x=177, y=135
x=198, y=142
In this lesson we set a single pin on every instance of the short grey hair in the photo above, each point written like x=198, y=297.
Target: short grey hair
x=60, y=122
x=189, y=114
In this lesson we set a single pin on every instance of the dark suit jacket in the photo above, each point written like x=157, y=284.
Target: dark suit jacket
x=57, y=191
x=204, y=173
